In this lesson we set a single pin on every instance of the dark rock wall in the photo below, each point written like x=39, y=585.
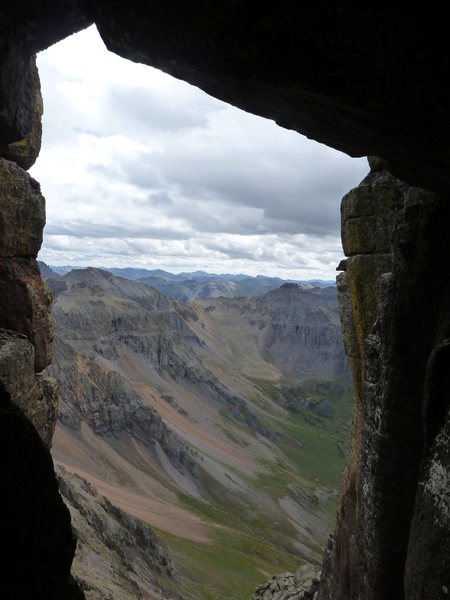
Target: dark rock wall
x=393, y=538
x=26, y=28
x=37, y=544
x=358, y=79
x=36, y=536
x=364, y=80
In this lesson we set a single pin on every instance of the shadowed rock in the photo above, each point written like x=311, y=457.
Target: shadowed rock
x=37, y=543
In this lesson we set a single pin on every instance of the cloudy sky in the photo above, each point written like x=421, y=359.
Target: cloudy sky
x=140, y=169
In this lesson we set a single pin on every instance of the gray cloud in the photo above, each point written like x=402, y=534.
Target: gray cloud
x=146, y=169
x=83, y=228
x=292, y=194
x=151, y=109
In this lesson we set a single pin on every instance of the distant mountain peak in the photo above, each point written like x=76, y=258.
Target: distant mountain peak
x=45, y=270
x=189, y=286
x=90, y=273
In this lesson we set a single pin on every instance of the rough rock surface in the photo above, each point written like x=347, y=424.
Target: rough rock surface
x=395, y=504
x=37, y=543
x=303, y=585
x=25, y=152
x=117, y=556
x=25, y=299
x=20, y=278
x=22, y=212
x=34, y=394
x=35, y=528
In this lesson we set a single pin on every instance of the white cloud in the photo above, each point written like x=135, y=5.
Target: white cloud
x=140, y=169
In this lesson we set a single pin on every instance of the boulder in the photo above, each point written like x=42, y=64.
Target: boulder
x=303, y=585
x=22, y=212
x=25, y=151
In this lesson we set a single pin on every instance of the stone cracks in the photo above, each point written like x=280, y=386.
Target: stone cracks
x=394, y=311
x=35, y=529
x=25, y=326
x=25, y=302
x=34, y=394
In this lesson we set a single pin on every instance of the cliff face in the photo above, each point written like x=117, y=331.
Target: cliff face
x=98, y=318
x=117, y=551
x=368, y=81
x=35, y=528
x=394, y=508
x=297, y=330
x=308, y=338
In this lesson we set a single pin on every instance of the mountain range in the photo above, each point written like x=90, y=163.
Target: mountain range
x=198, y=284
x=200, y=444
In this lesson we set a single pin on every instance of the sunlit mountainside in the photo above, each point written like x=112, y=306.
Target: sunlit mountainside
x=200, y=444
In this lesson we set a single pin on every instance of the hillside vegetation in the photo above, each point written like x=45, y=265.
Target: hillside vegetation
x=212, y=432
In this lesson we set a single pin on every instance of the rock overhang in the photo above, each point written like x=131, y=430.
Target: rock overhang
x=367, y=81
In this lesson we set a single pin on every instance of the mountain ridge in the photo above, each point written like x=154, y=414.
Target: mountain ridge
x=186, y=416
x=188, y=286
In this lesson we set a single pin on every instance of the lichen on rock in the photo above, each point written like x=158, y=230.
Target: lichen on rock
x=394, y=311
x=36, y=540
x=34, y=394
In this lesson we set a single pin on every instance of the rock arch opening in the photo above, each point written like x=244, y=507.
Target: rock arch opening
x=380, y=93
